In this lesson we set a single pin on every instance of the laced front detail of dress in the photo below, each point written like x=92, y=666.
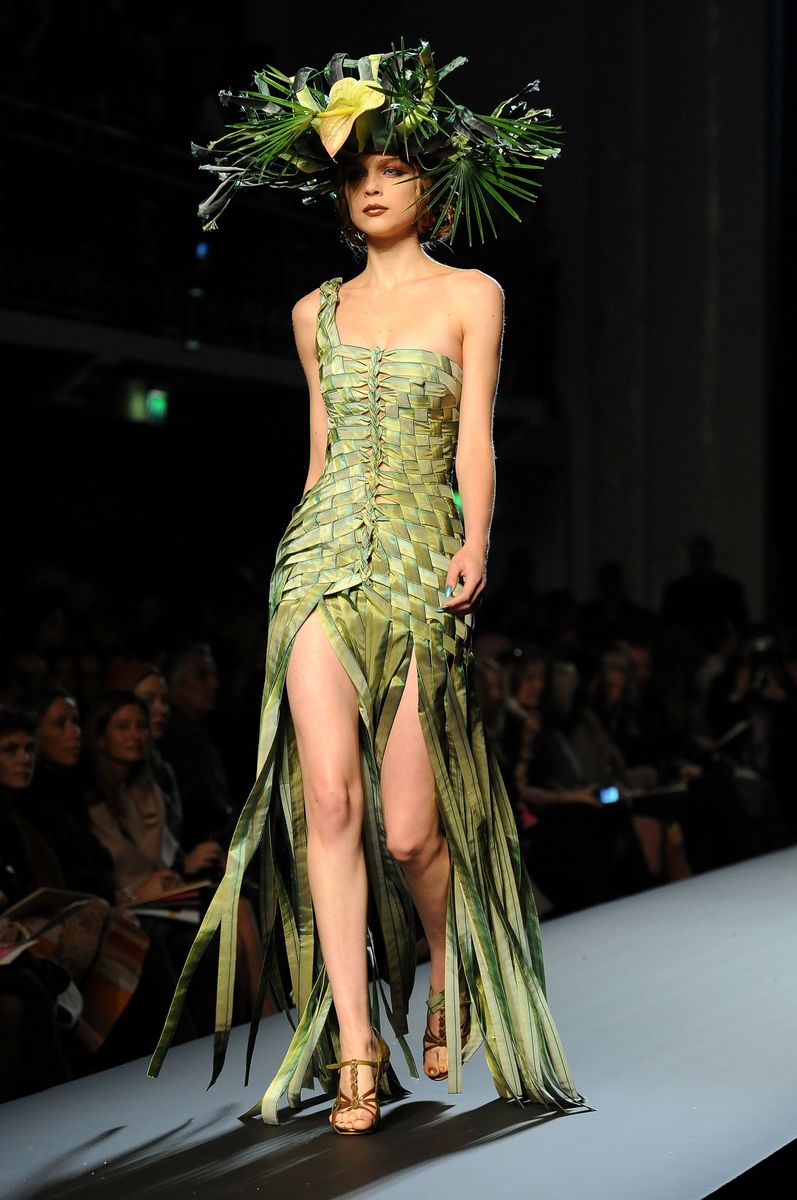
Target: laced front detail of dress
x=373, y=452
x=386, y=486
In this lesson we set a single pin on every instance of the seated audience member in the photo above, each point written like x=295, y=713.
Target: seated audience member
x=578, y=850
x=208, y=814
x=55, y=805
x=751, y=710
x=59, y=735
x=126, y=806
x=729, y=645
x=148, y=683
x=57, y=809
x=100, y=949
x=601, y=761
x=689, y=815
x=128, y=816
x=503, y=721
x=33, y=1036
x=618, y=706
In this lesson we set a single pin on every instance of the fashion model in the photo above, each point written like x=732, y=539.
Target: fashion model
x=377, y=798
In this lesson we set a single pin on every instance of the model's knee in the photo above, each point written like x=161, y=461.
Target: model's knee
x=334, y=810
x=413, y=850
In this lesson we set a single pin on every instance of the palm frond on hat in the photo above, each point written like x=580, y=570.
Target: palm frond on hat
x=294, y=129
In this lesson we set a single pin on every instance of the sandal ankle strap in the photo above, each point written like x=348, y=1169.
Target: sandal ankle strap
x=352, y=1062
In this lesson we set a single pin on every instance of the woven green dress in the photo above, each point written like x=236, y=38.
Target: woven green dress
x=368, y=548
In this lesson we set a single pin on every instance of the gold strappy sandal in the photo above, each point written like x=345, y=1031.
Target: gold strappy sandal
x=436, y=1040
x=370, y=1101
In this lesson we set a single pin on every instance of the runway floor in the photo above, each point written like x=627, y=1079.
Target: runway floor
x=677, y=1010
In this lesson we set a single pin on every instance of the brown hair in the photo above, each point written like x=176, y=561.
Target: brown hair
x=140, y=776
x=427, y=216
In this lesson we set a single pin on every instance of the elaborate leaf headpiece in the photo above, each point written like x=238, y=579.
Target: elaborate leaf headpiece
x=294, y=127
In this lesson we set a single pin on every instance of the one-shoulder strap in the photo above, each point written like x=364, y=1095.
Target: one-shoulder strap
x=326, y=328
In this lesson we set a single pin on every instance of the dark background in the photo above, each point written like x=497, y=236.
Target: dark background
x=648, y=381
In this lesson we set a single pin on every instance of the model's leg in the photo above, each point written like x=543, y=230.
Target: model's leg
x=414, y=836
x=324, y=711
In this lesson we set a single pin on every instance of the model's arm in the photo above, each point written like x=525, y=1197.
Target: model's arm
x=482, y=331
x=305, y=313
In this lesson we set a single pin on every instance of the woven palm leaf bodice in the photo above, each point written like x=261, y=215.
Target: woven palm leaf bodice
x=385, y=492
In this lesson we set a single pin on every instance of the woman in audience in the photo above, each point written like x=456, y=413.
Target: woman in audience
x=579, y=850
x=148, y=683
x=55, y=805
x=99, y=948
x=128, y=816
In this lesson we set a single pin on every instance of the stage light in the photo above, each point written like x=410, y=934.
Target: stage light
x=157, y=406
x=135, y=401
x=145, y=405
x=202, y=250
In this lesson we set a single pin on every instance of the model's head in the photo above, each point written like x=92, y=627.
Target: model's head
x=294, y=127
x=383, y=196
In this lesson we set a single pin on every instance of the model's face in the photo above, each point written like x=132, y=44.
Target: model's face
x=17, y=758
x=59, y=733
x=154, y=692
x=126, y=735
x=381, y=192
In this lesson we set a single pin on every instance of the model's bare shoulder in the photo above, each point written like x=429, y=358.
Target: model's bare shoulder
x=478, y=300
x=480, y=288
x=305, y=311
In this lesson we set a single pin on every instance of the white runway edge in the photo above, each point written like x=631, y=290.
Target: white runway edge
x=676, y=1007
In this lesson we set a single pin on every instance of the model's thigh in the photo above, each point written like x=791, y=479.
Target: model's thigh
x=409, y=803
x=324, y=713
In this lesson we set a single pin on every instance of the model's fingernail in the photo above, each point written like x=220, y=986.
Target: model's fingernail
x=449, y=590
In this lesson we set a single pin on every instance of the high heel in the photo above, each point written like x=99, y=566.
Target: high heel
x=370, y=1101
x=436, y=1039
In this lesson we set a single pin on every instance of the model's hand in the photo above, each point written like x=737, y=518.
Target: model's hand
x=468, y=568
